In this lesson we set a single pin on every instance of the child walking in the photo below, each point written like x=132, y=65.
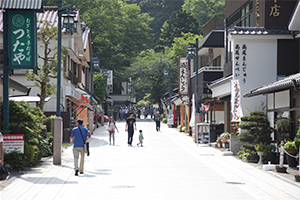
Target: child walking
x=111, y=129
x=141, y=137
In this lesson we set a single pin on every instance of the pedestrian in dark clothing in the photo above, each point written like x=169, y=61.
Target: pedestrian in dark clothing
x=130, y=126
x=157, y=119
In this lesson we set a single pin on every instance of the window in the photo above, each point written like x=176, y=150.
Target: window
x=242, y=17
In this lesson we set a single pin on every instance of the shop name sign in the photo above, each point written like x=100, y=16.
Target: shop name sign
x=13, y=142
x=183, y=76
x=22, y=39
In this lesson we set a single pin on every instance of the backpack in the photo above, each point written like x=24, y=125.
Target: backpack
x=157, y=118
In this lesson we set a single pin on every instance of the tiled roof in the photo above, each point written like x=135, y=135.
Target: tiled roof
x=258, y=31
x=21, y=4
x=50, y=14
x=283, y=84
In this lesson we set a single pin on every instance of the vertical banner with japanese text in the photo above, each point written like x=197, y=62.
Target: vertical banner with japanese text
x=110, y=81
x=236, y=101
x=22, y=40
x=183, y=76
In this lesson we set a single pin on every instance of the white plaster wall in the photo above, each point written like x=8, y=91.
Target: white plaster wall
x=261, y=69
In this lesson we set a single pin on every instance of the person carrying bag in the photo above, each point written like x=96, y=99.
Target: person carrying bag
x=79, y=136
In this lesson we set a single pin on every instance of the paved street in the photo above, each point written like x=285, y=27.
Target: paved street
x=169, y=166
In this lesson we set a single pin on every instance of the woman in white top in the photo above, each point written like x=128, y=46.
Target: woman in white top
x=111, y=129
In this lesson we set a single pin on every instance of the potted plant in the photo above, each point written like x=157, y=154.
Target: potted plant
x=225, y=142
x=283, y=128
x=260, y=149
x=272, y=155
x=291, y=149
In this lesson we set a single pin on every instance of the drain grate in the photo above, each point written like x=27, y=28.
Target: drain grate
x=235, y=183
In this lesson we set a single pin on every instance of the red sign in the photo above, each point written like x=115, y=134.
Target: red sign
x=13, y=142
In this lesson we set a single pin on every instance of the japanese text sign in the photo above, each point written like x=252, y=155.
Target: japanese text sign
x=13, y=142
x=22, y=39
x=183, y=76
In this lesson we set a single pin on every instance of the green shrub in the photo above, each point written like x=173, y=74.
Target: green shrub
x=165, y=120
x=49, y=122
x=15, y=160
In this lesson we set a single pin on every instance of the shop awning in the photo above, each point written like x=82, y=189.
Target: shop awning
x=21, y=4
x=79, y=102
x=29, y=99
x=215, y=39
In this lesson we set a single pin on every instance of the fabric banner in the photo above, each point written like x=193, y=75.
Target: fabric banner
x=183, y=76
x=236, y=101
x=192, y=121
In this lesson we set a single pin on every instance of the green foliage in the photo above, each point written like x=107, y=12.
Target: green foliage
x=179, y=23
x=48, y=68
x=142, y=103
x=225, y=135
x=31, y=154
x=49, y=122
x=290, y=146
x=270, y=148
x=283, y=125
x=99, y=85
x=204, y=10
x=246, y=151
x=260, y=147
x=257, y=128
x=164, y=120
x=15, y=160
x=120, y=31
x=147, y=76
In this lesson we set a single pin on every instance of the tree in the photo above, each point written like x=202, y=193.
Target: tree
x=147, y=76
x=204, y=10
x=179, y=22
x=99, y=85
x=257, y=128
x=48, y=68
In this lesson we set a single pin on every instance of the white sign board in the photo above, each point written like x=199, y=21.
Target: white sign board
x=236, y=101
x=13, y=142
x=183, y=76
x=110, y=77
x=170, y=120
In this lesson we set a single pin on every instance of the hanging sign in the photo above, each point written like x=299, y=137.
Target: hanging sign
x=22, y=39
x=183, y=76
x=236, y=101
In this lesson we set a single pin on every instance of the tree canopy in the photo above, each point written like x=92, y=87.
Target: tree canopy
x=178, y=23
x=204, y=10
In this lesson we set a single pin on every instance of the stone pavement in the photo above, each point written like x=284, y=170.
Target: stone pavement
x=169, y=166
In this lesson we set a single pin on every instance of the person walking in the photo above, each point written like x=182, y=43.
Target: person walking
x=157, y=119
x=141, y=137
x=79, y=136
x=111, y=129
x=130, y=125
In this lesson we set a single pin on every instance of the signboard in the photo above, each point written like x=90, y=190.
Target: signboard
x=236, y=101
x=170, y=120
x=110, y=77
x=22, y=39
x=183, y=76
x=12, y=142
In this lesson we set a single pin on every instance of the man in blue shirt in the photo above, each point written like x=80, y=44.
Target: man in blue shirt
x=79, y=136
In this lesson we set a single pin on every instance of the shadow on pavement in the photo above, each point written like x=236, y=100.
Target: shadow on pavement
x=47, y=180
